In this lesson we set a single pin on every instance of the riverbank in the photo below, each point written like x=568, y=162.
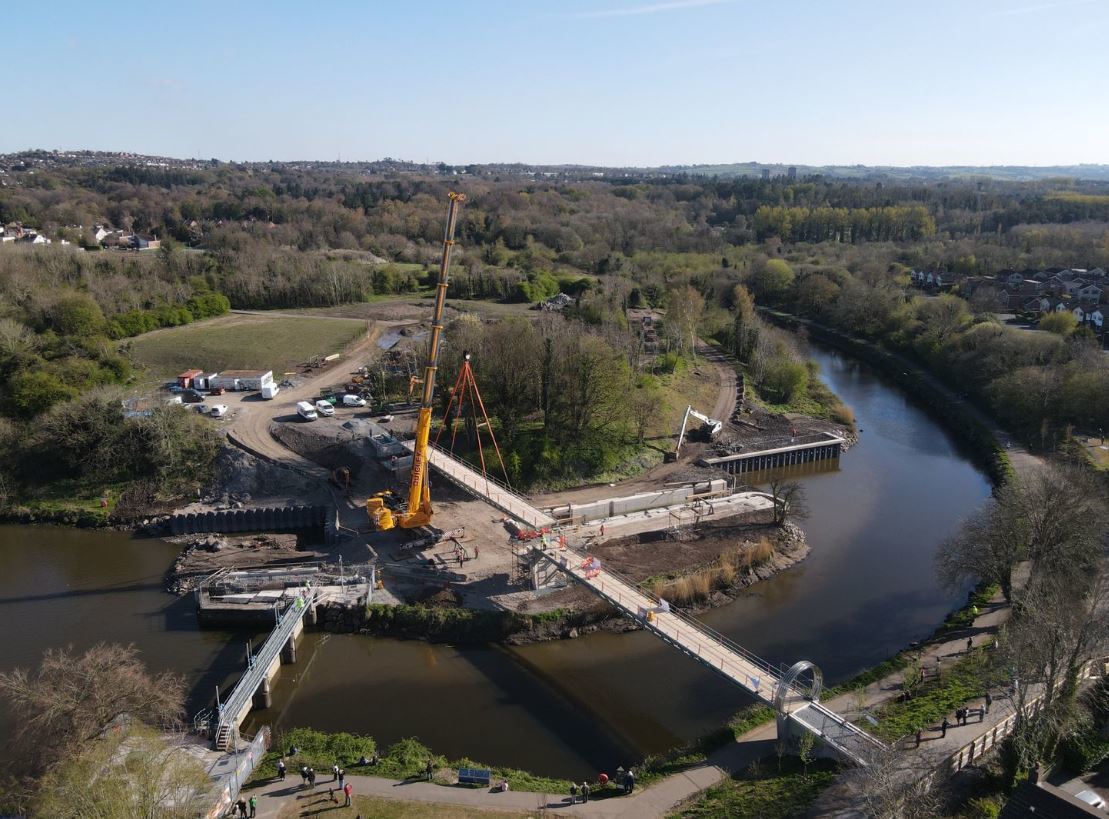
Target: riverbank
x=971, y=425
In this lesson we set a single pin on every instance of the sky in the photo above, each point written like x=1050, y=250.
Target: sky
x=600, y=82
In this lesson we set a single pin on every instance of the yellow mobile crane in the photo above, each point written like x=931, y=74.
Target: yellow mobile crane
x=417, y=512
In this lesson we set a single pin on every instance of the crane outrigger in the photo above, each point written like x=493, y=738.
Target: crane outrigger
x=417, y=511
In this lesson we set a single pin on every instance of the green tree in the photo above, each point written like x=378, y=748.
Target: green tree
x=33, y=391
x=772, y=281
x=76, y=315
x=1062, y=324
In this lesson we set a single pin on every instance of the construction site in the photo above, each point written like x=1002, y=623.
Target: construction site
x=419, y=489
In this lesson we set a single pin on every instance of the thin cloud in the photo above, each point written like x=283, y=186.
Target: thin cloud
x=651, y=8
x=1045, y=7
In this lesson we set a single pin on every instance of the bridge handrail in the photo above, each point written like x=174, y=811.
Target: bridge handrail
x=698, y=626
x=851, y=727
x=484, y=477
x=247, y=684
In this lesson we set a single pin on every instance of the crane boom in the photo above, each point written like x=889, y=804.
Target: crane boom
x=418, y=511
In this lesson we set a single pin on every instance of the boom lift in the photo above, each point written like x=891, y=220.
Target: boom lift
x=417, y=511
x=709, y=429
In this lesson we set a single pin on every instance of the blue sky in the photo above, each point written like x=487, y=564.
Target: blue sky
x=611, y=82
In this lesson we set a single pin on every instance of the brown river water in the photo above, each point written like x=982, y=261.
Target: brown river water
x=570, y=707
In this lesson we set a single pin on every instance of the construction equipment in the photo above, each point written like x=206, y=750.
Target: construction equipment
x=465, y=389
x=417, y=512
x=708, y=430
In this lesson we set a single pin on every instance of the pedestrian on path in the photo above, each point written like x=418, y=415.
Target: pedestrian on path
x=970, y=644
x=989, y=702
x=428, y=770
x=630, y=781
x=303, y=774
x=944, y=726
x=240, y=806
x=348, y=791
x=584, y=792
x=281, y=769
x=253, y=806
x=334, y=773
x=961, y=716
x=573, y=792
x=602, y=530
x=342, y=776
x=918, y=732
x=312, y=778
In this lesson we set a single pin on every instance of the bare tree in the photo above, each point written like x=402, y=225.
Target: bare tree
x=71, y=697
x=789, y=500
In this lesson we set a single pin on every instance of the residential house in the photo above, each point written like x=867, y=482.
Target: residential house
x=144, y=243
x=1088, y=294
x=1097, y=274
x=1096, y=319
x=1039, y=304
x=100, y=233
x=1071, y=286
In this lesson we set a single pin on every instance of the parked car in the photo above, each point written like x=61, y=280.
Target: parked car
x=173, y=386
x=219, y=410
x=325, y=408
x=201, y=408
x=385, y=419
x=353, y=401
x=307, y=410
x=191, y=396
x=216, y=391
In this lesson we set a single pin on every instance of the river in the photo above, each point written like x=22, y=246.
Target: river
x=575, y=706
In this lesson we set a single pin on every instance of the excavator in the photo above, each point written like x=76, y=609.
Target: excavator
x=709, y=429
x=417, y=510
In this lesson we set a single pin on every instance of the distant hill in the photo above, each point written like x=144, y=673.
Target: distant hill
x=30, y=159
x=1014, y=173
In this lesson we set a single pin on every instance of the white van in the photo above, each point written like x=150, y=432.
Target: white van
x=325, y=408
x=353, y=401
x=307, y=411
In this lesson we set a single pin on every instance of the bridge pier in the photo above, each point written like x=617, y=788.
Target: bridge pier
x=289, y=653
x=263, y=698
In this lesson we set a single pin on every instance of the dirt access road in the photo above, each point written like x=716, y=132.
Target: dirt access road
x=250, y=425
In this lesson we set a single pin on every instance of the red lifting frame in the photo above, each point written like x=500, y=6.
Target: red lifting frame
x=465, y=385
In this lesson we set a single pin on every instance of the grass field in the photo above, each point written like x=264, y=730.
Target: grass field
x=312, y=804
x=279, y=343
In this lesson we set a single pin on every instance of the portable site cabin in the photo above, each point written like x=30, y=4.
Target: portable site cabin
x=204, y=381
x=185, y=380
x=241, y=380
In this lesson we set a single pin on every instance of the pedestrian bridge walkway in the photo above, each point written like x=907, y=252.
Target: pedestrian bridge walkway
x=774, y=686
x=223, y=722
x=796, y=708
x=486, y=488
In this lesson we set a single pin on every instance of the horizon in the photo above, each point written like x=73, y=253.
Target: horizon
x=436, y=162
x=599, y=83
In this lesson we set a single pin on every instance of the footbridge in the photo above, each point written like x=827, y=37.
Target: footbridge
x=222, y=723
x=488, y=489
x=797, y=705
